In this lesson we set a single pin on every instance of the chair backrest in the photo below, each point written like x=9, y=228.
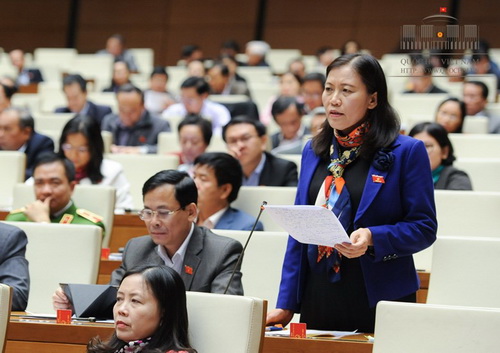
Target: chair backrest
x=483, y=172
x=144, y=58
x=14, y=168
x=5, y=305
x=466, y=213
x=262, y=263
x=99, y=199
x=475, y=125
x=250, y=199
x=231, y=321
x=295, y=158
x=59, y=253
x=465, y=272
x=467, y=146
x=139, y=168
x=417, y=328
x=279, y=59
x=422, y=103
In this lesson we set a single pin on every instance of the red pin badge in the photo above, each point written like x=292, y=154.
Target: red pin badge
x=378, y=179
x=188, y=269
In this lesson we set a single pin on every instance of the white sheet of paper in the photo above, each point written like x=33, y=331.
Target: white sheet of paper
x=309, y=224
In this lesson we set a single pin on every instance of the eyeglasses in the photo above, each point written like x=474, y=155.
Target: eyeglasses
x=68, y=148
x=244, y=139
x=147, y=214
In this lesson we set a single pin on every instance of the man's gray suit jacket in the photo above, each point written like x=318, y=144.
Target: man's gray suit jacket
x=209, y=261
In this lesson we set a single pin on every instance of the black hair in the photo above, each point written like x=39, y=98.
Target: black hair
x=231, y=44
x=484, y=89
x=78, y=79
x=315, y=76
x=227, y=170
x=463, y=111
x=118, y=36
x=322, y=50
x=159, y=70
x=88, y=127
x=384, y=121
x=128, y=88
x=188, y=50
x=8, y=90
x=224, y=70
x=198, y=83
x=185, y=188
x=243, y=119
x=204, y=125
x=52, y=157
x=282, y=103
x=439, y=133
x=168, y=288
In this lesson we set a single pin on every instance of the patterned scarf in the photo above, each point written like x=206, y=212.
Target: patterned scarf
x=134, y=346
x=334, y=195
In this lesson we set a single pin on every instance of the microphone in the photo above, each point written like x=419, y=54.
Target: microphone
x=240, y=258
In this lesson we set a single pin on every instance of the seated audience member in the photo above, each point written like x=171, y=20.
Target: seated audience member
x=81, y=142
x=17, y=133
x=297, y=67
x=246, y=140
x=232, y=64
x=195, y=134
x=325, y=56
x=75, y=90
x=350, y=47
x=157, y=98
x=150, y=314
x=218, y=178
x=54, y=182
x=256, y=51
x=312, y=91
x=318, y=118
x=14, y=269
x=204, y=260
x=135, y=130
x=482, y=64
x=476, y=100
x=121, y=76
x=287, y=112
x=115, y=45
x=230, y=48
x=6, y=92
x=196, y=68
x=221, y=82
x=191, y=52
x=451, y=114
x=25, y=76
x=290, y=86
x=194, y=94
x=421, y=79
x=440, y=151
x=455, y=73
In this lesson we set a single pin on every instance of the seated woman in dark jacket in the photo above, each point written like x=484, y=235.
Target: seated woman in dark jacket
x=440, y=150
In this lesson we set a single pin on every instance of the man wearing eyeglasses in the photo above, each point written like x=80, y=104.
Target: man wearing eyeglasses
x=246, y=140
x=17, y=133
x=204, y=260
x=54, y=182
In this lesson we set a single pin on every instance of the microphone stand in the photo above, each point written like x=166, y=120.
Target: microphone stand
x=240, y=258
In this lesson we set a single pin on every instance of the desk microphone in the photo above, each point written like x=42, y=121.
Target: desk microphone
x=240, y=258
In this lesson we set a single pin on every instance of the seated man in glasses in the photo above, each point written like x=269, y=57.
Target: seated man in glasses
x=54, y=182
x=204, y=260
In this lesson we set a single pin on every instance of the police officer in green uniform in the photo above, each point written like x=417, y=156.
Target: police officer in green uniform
x=54, y=182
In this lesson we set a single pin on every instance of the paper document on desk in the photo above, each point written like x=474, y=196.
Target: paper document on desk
x=309, y=224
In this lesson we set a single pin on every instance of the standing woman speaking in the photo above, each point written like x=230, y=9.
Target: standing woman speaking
x=379, y=185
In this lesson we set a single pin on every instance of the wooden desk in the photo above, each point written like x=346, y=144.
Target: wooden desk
x=125, y=227
x=30, y=335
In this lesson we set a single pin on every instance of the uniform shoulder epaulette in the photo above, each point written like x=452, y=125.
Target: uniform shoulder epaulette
x=18, y=210
x=89, y=215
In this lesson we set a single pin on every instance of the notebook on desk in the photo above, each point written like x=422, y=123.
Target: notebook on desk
x=91, y=300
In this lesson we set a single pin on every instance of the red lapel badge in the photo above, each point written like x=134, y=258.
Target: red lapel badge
x=142, y=139
x=188, y=269
x=378, y=179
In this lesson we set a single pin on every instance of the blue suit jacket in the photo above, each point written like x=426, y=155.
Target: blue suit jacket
x=237, y=220
x=98, y=112
x=36, y=145
x=400, y=213
x=13, y=264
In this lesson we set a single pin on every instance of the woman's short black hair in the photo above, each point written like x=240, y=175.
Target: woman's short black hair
x=197, y=120
x=89, y=128
x=167, y=287
x=463, y=111
x=185, y=188
x=439, y=133
x=383, y=119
